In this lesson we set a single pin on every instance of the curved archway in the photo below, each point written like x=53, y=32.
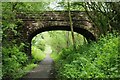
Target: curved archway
x=88, y=35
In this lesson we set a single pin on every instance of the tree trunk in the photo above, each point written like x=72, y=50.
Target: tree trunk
x=67, y=39
x=71, y=26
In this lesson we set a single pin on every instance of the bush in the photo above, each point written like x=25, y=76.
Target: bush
x=94, y=60
x=13, y=61
x=37, y=54
x=54, y=56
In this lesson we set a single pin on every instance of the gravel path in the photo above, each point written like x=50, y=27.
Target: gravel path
x=43, y=71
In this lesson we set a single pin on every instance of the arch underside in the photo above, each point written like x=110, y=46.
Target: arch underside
x=88, y=35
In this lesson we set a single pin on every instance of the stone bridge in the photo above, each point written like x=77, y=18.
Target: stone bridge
x=35, y=23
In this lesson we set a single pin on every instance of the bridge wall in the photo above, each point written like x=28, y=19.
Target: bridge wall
x=36, y=23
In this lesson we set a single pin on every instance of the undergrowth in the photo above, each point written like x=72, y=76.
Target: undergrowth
x=15, y=63
x=95, y=60
x=37, y=54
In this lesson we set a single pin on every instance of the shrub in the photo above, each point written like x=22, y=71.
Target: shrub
x=13, y=61
x=37, y=54
x=95, y=60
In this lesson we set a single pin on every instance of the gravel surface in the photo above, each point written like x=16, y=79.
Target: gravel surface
x=43, y=70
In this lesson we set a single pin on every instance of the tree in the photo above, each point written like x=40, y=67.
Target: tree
x=67, y=39
x=71, y=26
x=103, y=15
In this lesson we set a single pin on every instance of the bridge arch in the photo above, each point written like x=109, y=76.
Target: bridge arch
x=88, y=35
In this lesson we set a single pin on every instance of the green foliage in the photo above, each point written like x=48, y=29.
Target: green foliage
x=94, y=60
x=28, y=68
x=37, y=54
x=13, y=60
x=1, y=71
x=54, y=56
x=74, y=6
x=58, y=40
x=9, y=13
x=63, y=39
x=13, y=57
x=31, y=7
x=104, y=16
